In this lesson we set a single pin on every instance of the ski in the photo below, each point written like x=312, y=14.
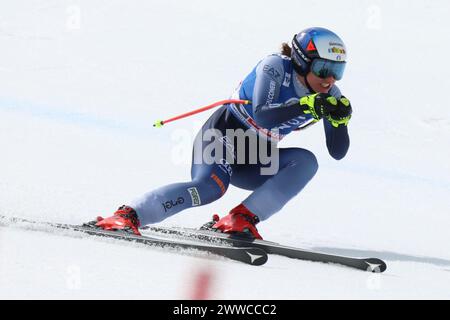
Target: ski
x=374, y=265
x=249, y=255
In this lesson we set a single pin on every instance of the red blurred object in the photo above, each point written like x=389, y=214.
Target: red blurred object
x=202, y=285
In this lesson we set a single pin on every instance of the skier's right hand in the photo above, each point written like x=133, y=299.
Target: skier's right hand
x=318, y=105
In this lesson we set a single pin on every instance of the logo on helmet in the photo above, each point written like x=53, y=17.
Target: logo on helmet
x=337, y=44
x=299, y=52
x=336, y=50
x=311, y=46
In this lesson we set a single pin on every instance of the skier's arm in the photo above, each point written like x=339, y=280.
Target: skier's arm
x=336, y=114
x=269, y=77
x=336, y=131
x=338, y=140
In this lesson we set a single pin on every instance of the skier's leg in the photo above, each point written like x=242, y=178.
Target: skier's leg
x=271, y=193
x=209, y=183
x=210, y=180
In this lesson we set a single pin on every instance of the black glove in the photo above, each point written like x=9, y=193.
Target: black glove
x=324, y=105
x=342, y=114
x=319, y=105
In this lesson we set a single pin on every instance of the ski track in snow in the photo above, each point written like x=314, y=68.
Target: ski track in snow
x=76, y=108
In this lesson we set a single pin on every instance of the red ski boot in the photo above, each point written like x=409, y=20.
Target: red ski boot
x=125, y=218
x=239, y=220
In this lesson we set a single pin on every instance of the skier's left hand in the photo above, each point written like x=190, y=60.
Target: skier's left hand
x=342, y=114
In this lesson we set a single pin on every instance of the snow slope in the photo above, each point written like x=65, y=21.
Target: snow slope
x=82, y=81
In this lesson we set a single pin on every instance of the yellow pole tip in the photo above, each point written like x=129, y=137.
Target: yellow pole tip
x=158, y=124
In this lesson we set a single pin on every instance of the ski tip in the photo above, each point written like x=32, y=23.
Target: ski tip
x=375, y=265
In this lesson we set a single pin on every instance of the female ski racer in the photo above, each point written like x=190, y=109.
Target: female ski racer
x=288, y=91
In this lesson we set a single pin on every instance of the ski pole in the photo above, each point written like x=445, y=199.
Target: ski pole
x=160, y=123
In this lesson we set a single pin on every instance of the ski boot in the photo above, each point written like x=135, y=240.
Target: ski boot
x=124, y=219
x=240, y=221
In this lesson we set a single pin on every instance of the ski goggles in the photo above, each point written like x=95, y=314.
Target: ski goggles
x=326, y=68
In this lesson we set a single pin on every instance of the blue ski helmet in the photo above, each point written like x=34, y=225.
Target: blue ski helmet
x=320, y=51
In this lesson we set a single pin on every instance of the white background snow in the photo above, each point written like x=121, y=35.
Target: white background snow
x=81, y=83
